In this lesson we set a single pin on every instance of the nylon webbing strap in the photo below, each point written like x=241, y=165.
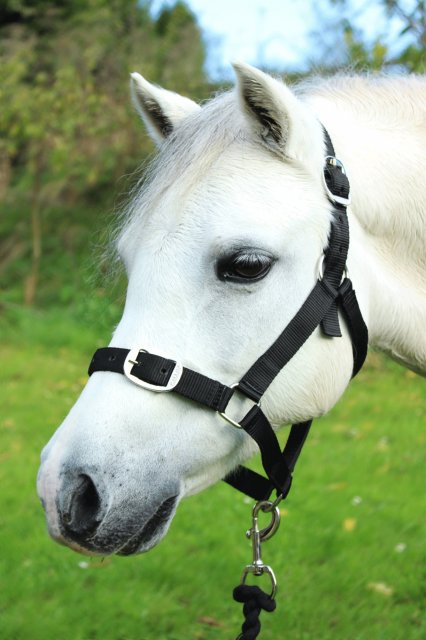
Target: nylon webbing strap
x=334, y=265
x=157, y=371
x=260, y=375
x=260, y=488
x=338, y=243
x=277, y=466
x=259, y=428
x=356, y=325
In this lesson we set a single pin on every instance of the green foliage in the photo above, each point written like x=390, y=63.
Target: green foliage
x=67, y=130
x=406, y=51
x=65, y=121
x=371, y=57
x=176, y=26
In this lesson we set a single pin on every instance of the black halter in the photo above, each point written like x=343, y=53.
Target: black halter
x=332, y=291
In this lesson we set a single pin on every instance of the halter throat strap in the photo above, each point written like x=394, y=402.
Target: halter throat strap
x=333, y=291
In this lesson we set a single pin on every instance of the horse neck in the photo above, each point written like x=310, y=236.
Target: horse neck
x=380, y=137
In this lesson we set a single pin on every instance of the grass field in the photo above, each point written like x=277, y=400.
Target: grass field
x=349, y=557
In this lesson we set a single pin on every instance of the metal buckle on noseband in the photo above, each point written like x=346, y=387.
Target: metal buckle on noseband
x=131, y=361
x=223, y=415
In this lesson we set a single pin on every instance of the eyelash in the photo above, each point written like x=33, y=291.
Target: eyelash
x=248, y=265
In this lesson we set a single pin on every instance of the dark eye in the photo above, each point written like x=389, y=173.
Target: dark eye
x=244, y=266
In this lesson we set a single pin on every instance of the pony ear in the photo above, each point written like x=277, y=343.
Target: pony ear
x=277, y=116
x=161, y=110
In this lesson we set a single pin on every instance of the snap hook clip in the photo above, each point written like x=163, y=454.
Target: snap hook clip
x=257, y=536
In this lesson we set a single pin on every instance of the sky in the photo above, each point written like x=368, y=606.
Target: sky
x=273, y=33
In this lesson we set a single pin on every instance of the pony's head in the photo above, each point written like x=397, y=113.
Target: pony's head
x=221, y=246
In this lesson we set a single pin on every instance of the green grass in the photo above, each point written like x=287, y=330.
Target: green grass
x=341, y=572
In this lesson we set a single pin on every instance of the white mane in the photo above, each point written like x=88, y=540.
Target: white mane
x=382, y=120
x=383, y=100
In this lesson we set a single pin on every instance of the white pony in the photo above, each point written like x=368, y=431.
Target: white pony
x=221, y=247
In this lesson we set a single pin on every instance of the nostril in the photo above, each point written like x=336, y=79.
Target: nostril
x=84, y=512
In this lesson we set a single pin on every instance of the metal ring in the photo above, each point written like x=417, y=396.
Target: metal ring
x=335, y=162
x=228, y=418
x=267, y=507
x=332, y=161
x=321, y=269
x=259, y=571
x=273, y=504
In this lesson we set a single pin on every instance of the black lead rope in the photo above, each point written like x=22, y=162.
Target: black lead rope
x=254, y=601
x=332, y=292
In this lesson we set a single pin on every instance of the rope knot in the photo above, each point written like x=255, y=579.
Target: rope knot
x=254, y=600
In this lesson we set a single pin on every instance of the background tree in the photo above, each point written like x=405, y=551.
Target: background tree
x=342, y=41
x=66, y=131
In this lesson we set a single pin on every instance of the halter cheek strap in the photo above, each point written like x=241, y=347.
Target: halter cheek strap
x=332, y=291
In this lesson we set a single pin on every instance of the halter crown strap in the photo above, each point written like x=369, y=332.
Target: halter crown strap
x=332, y=291
x=338, y=190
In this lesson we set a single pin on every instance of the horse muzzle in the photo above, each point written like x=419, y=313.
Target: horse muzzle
x=91, y=517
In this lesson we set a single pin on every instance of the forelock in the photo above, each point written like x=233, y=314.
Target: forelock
x=184, y=158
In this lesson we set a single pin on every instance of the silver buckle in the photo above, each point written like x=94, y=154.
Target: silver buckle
x=131, y=361
x=228, y=418
x=335, y=162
